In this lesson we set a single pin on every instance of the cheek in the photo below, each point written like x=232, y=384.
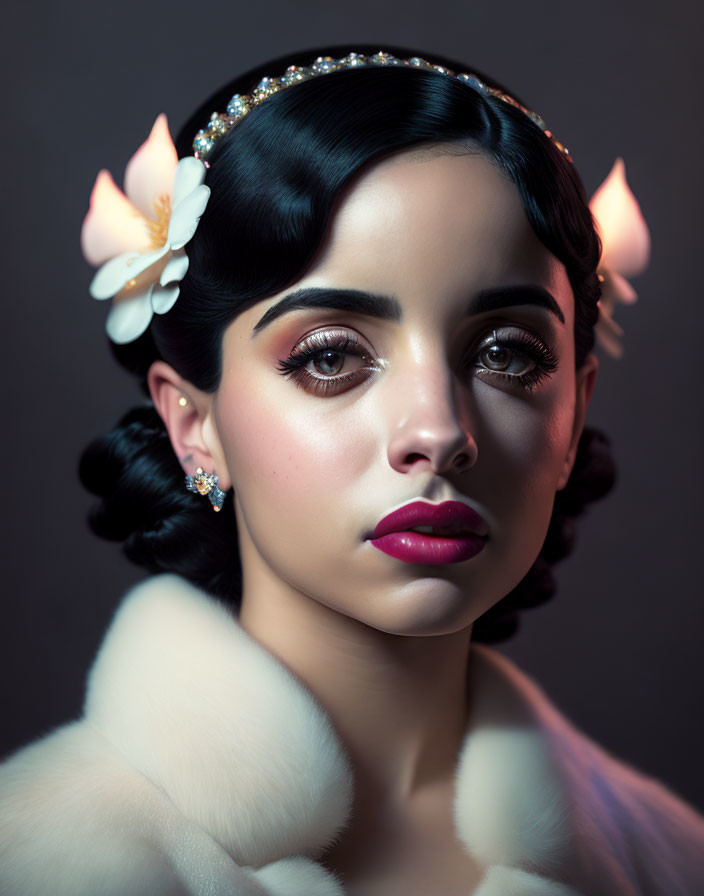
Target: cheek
x=289, y=459
x=525, y=444
x=521, y=445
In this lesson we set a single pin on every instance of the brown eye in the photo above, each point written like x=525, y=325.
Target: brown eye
x=328, y=363
x=502, y=359
x=519, y=359
x=317, y=364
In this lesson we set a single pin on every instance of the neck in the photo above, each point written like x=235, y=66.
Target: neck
x=398, y=703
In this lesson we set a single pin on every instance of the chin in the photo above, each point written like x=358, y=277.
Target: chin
x=424, y=607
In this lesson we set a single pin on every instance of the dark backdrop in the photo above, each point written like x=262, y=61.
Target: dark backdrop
x=619, y=648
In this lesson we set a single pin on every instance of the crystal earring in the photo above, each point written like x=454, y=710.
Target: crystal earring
x=206, y=484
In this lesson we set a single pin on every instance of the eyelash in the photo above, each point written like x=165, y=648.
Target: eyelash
x=526, y=344
x=530, y=347
x=342, y=343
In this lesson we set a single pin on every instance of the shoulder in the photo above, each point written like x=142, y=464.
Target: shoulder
x=103, y=804
x=65, y=805
x=606, y=819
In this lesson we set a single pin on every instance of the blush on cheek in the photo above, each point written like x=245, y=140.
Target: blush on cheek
x=280, y=456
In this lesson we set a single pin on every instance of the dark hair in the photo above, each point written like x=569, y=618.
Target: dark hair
x=275, y=179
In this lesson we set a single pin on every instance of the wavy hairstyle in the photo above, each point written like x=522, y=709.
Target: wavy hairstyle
x=275, y=179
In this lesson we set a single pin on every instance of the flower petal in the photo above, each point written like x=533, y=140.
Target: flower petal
x=190, y=173
x=150, y=172
x=185, y=217
x=164, y=297
x=129, y=316
x=114, y=274
x=113, y=225
x=616, y=289
x=609, y=335
x=175, y=268
x=624, y=234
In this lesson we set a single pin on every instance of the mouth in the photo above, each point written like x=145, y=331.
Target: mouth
x=442, y=531
x=448, y=519
x=431, y=534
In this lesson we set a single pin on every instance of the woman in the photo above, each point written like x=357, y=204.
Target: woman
x=364, y=313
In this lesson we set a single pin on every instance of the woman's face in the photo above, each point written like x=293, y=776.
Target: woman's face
x=331, y=415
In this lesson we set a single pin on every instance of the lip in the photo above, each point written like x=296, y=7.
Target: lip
x=391, y=533
x=420, y=513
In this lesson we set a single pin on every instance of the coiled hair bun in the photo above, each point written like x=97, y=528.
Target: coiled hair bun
x=143, y=503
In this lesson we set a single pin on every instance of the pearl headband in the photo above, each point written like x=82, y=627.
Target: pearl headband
x=138, y=237
x=222, y=122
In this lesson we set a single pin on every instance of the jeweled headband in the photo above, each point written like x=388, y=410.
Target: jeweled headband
x=138, y=237
x=222, y=122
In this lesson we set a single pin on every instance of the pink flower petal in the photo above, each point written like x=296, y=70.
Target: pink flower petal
x=608, y=335
x=129, y=315
x=150, y=172
x=624, y=233
x=113, y=225
x=617, y=289
x=185, y=217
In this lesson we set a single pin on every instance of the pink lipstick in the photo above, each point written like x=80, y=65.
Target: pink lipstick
x=453, y=532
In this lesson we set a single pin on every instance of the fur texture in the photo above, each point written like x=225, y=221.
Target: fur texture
x=202, y=766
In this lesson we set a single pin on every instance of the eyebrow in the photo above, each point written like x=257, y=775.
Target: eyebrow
x=389, y=307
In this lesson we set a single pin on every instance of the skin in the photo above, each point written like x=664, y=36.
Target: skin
x=381, y=643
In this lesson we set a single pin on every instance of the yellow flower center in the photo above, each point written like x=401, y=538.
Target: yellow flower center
x=159, y=229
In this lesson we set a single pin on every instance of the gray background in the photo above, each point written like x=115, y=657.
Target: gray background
x=619, y=648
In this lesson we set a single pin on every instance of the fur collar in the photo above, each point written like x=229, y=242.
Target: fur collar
x=246, y=752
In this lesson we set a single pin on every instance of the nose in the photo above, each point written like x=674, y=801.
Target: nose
x=427, y=430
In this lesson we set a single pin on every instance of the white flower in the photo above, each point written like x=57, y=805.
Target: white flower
x=625, y=251
x=138, y=238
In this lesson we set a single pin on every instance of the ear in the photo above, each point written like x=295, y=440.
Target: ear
x=187, y=413
x=586, y=380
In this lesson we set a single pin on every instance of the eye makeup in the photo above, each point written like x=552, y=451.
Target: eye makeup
x=535, y=359
x=518, y=358
x=326, y=349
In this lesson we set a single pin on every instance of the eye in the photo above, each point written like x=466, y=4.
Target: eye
x=519, y=358
x=329, y=362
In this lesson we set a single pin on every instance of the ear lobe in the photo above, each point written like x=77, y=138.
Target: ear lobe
x=186, y=412
x=586, y=380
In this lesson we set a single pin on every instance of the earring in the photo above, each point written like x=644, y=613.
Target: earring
x=183, y=401
x=206, y=484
